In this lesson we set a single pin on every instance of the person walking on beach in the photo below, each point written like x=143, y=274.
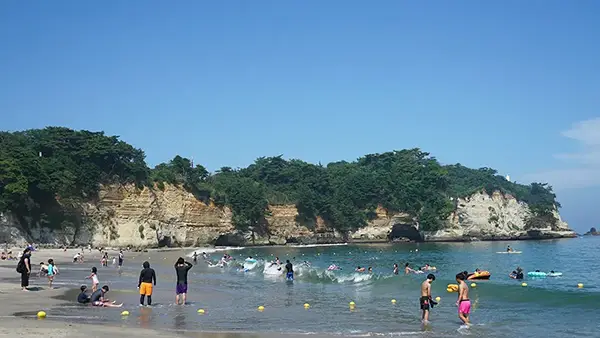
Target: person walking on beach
x=463, y=303
x=425, y=300
x=147, y=279
x=181, y=269
x=24, y=268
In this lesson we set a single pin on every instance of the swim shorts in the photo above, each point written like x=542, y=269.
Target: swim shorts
x=181, y=288
x=464, y=306
x=424, y=303
x=290, y=275
x=146, y=289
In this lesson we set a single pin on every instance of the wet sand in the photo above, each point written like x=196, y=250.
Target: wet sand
x=18, y=308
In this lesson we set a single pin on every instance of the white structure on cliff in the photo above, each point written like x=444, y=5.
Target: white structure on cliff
x=508, y=178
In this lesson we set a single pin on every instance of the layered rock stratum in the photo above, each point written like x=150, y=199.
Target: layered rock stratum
x=125, y=216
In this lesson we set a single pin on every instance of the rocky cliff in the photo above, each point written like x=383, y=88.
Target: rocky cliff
x=127, y=216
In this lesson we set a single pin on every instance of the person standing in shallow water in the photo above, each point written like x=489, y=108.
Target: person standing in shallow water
x=425, y=299
x=463, y=303
x=145, y=283
x=181, y=269
x=289, y=270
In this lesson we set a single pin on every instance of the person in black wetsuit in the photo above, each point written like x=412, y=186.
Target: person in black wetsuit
x=147, y=279
x=83, y=298
x=181, y=268
x=289, y=270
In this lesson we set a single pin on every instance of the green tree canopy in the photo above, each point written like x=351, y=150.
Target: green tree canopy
x=44, y=173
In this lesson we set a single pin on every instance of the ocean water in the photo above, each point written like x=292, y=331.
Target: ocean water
x=547, y=307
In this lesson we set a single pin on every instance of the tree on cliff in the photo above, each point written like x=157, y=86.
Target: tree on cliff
x=46, y=173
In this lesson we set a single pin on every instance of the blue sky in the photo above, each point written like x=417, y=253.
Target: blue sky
x=511, y=85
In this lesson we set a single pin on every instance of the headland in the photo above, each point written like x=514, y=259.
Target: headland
x=69, y=188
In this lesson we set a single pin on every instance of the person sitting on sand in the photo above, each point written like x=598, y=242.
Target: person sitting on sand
x=83, y=297
x=43, y=269
x=98, y=298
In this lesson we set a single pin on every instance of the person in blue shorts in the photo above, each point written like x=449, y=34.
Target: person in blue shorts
x=289, y=270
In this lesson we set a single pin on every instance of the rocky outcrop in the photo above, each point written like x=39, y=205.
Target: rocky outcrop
x=126, y=216
x=495, y=217
x=592, y=232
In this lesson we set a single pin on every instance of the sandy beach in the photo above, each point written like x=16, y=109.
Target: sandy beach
x=19, y=308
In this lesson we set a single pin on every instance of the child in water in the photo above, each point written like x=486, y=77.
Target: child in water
x=52, y=270
x=94, y=277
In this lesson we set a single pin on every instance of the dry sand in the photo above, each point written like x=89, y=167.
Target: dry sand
x=13, y=300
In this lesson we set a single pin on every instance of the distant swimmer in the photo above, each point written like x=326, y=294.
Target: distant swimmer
x=289, y=270
x=359, y=269
x=425, y=301
x=333, y=267
x=147, y=279
x=98, y=298
x=83, y=297
x=370, y=270
x=407, y=269
x=204, y=256
x=516, y=274
x=395, y=268
x=195, y=257
x=509, y=249
x=463, y=302
x=428, y=267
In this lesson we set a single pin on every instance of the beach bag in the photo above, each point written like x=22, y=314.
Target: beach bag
x=21, y=266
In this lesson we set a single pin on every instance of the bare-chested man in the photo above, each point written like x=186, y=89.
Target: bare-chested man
x=425, y=299
x=463, y=302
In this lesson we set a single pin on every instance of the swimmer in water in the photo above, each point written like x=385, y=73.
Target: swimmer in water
x=370, y=270
x=463, y=302
x=195, y=257
x=395, y=269
x=425, y=300
x=407, y=269
x=359, y=269
x=509, y=249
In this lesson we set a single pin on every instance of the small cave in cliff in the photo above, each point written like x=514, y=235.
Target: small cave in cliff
x=166, y=241
x=405, y=232
x=230, y=240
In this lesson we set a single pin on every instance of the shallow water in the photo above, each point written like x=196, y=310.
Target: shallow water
x=548, y=307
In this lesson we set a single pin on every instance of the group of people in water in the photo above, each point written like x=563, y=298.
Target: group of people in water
x=463, y=302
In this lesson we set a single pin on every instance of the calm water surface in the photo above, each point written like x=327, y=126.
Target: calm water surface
x=547, y=307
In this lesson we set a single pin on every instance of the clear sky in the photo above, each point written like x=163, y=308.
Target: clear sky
x=513, y=85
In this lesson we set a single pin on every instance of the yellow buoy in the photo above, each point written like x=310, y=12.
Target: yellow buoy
x=261, y=308
x=393, y=301
x=201, y=311
x=125, y=313
x=306, y=305
x=523, y=284
x=580, y=285
x=41, y=314
x=473, y=285
x=437, y=299
x=452, y=288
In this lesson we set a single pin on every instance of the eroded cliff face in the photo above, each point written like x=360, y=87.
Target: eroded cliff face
x=495, y=217
x=126, y=216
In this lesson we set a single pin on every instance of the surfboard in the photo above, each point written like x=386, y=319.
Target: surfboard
x=509, y=252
